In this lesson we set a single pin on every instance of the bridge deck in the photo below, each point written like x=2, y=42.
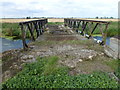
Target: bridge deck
x=59, y=33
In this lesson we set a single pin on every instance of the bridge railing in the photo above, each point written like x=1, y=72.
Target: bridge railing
x=34, y=27
x=88, y=27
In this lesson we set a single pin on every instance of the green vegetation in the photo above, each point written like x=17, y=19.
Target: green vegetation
x=112, y=63
x=117, y=72
x=45, y=73
x=55, y=23
x=12, y=31
x=111, y=31
x=51, y=66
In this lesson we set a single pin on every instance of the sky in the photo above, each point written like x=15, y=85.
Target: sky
x=58, y=8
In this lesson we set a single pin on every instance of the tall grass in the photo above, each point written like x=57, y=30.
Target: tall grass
x=112, y=29
x=12, y=30
x=55, y=23
x=51, y=66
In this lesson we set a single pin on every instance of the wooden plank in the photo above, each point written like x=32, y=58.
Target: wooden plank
x=35, y=25
x=84, y=27
x=94, y=29
x=105, y=34
x=78, y=24
x=96, y=21
x=31, y=32
x=32, y=21
x=25, y=46
x=31, y=25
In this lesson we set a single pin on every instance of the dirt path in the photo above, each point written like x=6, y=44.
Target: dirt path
x=76, y=52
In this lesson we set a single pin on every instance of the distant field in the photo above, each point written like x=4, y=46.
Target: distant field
x=23, y=20
x=49, y=20
x=14, y=20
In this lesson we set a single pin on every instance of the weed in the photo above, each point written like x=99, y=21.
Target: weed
x=32, y=77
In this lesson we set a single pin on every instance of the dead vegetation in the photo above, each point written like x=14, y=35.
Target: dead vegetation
x=49, y=20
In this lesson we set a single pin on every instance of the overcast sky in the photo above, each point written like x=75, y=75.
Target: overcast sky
x=58, y=8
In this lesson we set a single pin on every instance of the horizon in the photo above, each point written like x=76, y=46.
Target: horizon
x=58, y=17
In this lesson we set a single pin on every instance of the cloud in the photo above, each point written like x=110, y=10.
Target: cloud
x=59, y=8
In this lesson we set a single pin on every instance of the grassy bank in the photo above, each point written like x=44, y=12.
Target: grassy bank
x=11, y=30
x=46, y=73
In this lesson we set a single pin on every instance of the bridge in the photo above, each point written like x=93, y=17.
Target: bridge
x=84, y=27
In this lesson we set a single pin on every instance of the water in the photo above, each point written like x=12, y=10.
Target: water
x=11, y=44
x=100, y=38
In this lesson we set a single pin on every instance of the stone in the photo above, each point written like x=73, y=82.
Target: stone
x=72, y=66
x=27, y=57
x=7, y=74
x=11, y=67
x=30, y=61
x=15, y=66
x=90, y=57
x=80, y=60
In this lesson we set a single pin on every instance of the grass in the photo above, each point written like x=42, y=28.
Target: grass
x=55, y=23
x=112, y=63
x=12, y=31
x=115, y=64
x=111, y=31
x=51, y=65
x=32, y=77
